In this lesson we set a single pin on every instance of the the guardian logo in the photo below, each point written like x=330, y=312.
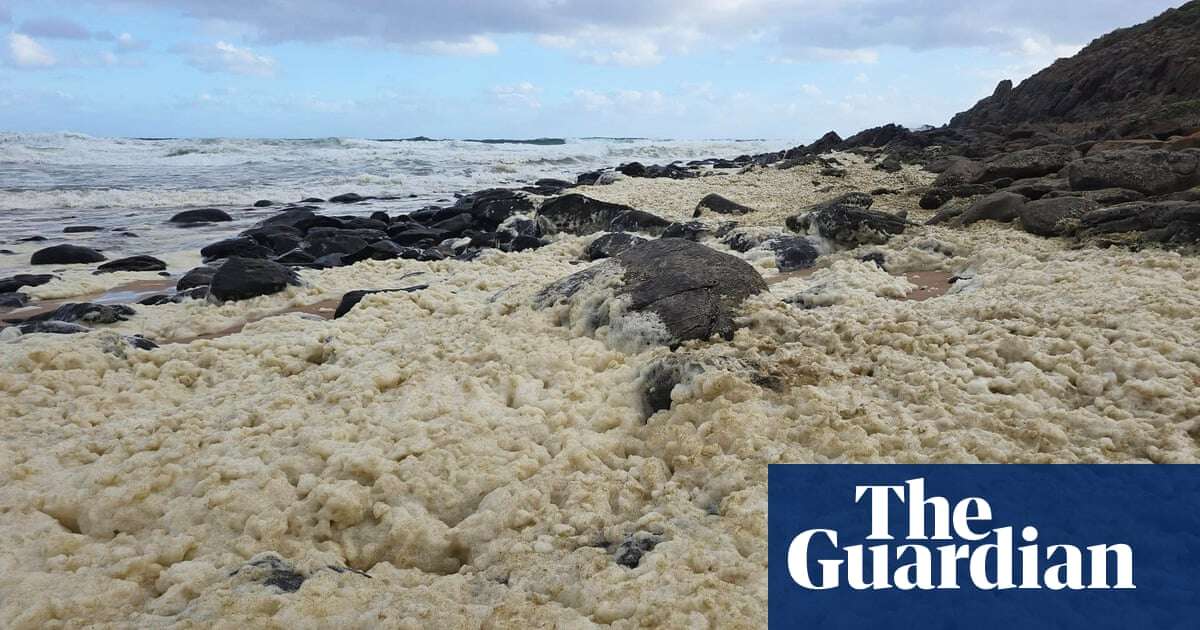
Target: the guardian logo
x=946, y=546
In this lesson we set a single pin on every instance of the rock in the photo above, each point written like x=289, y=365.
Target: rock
x=51, y=328
x=133, y=263
x=633, y=169
x=743, y=241
x=351, y=299
x=263, y=203
x=87, y=313
x=490, y=208
x=1001, y=206
x=204, y=215
x=455, y=225
x=32, y=239
x=318, y=244
x=289, y=217
x=692, y=231
x=312, y=200
x=1038, y=187
x=935, y=198
x=245, y=278
x=693, y=292
x=348, y=198
x=296, y=257
x=875, y=257
x=849, y=225
x=1045, y=217
x=80, y=229
x=610, y=245
x=66, y=255
x=1035, y=162
x=833, y=172
x=409, y=236
x=792, y=253
x=1149, y=172
x=198, y=277
x=521, y=243
x=1163, y=221
x=660, y=377
x=961, y=171
x=720, y=205
x=272, y=571
x=12, y=283
x=1102, y=197
x=629, y=553
x=241, y=246
x=139, y=342
x=580, y=215
x=856, y=199
x=890, y=164
x=13, y=300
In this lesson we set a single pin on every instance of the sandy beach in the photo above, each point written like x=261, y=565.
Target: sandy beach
x=455, y=456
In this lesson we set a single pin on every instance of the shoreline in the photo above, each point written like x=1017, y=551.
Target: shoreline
x=483, y=463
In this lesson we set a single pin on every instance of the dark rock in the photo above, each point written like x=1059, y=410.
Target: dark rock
x=935, y=198
x=720, y=205
x=1149, y=172
x=1001, y=206
x=12, y=283
x=692, y=289
x=80, y=229
x=792, y=253
x=856, y=199
x=263, y=203
x=660, y=377
x=381, y=217
x=380, y=250
x=289, y=217
x=833, y=172
x=241, y=246
x=629, y=553
x=522, y=242
x=1036, y=162
x=610, y=245
x=416, y=236
x=312, y=200
x=1102, y=197
x=1174, y=222
x=139, y=342
x=198, y=277
x=960, y=171
x=588, y=179
x=455, y=225
x=692, y=231
x=1141, y=79
x=875, y=257
x=351, y=299
x=204, y=215
x=296, y=257
x=1036, y=188
x=334, y=242
x=890, y=164
x=849, y=225
x=633, y=169
x=244, y=278
x=87, y=313
x=7, y=252
x=577, y=214
x=51, y=328
x=742, y=241
x=348, y=198
x=32, y=239
x=489, y=208
x=133, y=263
x=520, y=226
x=319, y=221
x=66, y=255
x=13, y=300
x=1044, y=217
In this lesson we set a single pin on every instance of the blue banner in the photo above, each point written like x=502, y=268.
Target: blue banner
x=984, y=546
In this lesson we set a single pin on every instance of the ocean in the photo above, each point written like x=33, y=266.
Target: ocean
x=51, y=181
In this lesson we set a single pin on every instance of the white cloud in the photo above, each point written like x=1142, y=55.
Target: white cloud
x=811, y=90
x=474, y=46
x=524, y=95
x=25, y=52
x=814, y=53
x=225, y=57
x=127, y=43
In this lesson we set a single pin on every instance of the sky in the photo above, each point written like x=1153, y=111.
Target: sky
x=687, y=69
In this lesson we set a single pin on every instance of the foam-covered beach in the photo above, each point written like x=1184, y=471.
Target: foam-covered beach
x=470, y=456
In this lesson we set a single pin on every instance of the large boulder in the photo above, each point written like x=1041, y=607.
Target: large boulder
x=1149, y=172
x=580, y=215
x=1035, y=162
x=12, y=283
x=66, y=255
x=195, y=278
x=489, y=208
x=1002, y=206
x=203, y=215
x=241, y=246
x=848, y=221
x=665, y=291
x=1046, y=217
x=245, y=278
x=351, y=299
x=1164, y=222
x=610, y=245
x=961, y=171
x=133, y=263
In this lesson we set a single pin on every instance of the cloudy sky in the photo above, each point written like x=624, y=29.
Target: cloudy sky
x=523, y=68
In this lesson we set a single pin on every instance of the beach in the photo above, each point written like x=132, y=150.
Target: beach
x=457, y=455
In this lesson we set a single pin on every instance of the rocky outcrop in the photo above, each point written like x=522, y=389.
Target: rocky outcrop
x=1142, y=79
x=1049, y=217
x=610, y=245
x=1150, y=172
x=1172, y=222
x=665, y=291
x=577, y=214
